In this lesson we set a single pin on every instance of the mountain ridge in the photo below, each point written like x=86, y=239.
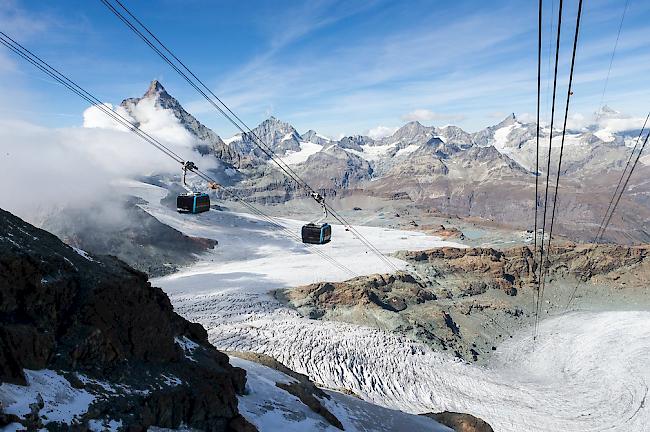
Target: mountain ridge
x=486, y=173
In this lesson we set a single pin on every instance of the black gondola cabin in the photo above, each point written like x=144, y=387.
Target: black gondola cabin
x=193, y=202
x=316, y=233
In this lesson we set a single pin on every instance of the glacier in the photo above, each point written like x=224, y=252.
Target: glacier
x=585, y=371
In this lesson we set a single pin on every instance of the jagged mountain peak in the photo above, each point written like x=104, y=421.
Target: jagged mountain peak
x=314, y=137
x=208, y=142
x=413, y=126
x=355, y=142
x=508, y=121
x=279, y=135
x=275, y=124
x=155, y=89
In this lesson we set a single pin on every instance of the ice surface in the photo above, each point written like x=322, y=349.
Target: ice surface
x=372, y=152
x=272, y=409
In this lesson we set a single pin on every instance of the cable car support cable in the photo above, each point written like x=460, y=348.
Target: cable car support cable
x=548, y=165
x=544, y=263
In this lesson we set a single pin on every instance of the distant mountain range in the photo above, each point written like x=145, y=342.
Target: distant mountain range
x=489, y=173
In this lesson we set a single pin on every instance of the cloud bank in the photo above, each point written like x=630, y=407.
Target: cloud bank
x=46, y=170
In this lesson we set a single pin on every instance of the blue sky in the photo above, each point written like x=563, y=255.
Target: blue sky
x=340, y=67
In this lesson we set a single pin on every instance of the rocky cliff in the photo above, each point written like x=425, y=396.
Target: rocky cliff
x=468, y=300
x=108, y=344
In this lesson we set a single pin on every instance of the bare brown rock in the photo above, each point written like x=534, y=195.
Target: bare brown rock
x=461, y=422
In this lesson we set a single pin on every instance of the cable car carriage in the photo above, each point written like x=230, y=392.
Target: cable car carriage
x=317, y=232
x=192, y=202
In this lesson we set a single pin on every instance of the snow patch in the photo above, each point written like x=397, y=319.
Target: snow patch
x=407, y=150
x=105, y=425
x=306, y=149
x=83, y=253
x=187, y=345
x=62, y=402
x=232, y=139
x=373, y=152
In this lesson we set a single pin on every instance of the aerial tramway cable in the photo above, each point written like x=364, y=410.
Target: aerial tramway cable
x=539, y=86
x=548, y=166
x=620, y=180
x=544, y=263
x=246, y=131
x=59, y=77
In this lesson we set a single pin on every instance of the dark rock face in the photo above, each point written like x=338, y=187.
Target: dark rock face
x=76, y=314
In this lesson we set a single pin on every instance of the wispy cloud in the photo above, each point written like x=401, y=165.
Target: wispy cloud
x=425, y=115
x=345, y=67
x=380, y=132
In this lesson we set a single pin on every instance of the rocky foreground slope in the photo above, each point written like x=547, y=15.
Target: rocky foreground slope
x=468, y=300
x=99, y=347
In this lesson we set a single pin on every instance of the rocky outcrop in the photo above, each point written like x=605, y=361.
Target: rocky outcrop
x=516, y=267
x=466, y=301
x=461, y=422
x=95, y=319
x=387, y=292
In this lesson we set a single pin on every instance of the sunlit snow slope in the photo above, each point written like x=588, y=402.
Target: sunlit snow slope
x=588, y=371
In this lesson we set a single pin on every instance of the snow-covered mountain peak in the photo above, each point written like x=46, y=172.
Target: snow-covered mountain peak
x=274, y=122
x=280, y=136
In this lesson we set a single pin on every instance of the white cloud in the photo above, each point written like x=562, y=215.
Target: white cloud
x=621, y=124
x=608, y=122
x=159, y=123
x=94, y=117
x=76, y=167
x=425, y=115
x=577, y=121
x=22, y=23
x=380, y=132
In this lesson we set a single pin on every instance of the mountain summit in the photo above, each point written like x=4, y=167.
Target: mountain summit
x=155, y=89
x=208, y=142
